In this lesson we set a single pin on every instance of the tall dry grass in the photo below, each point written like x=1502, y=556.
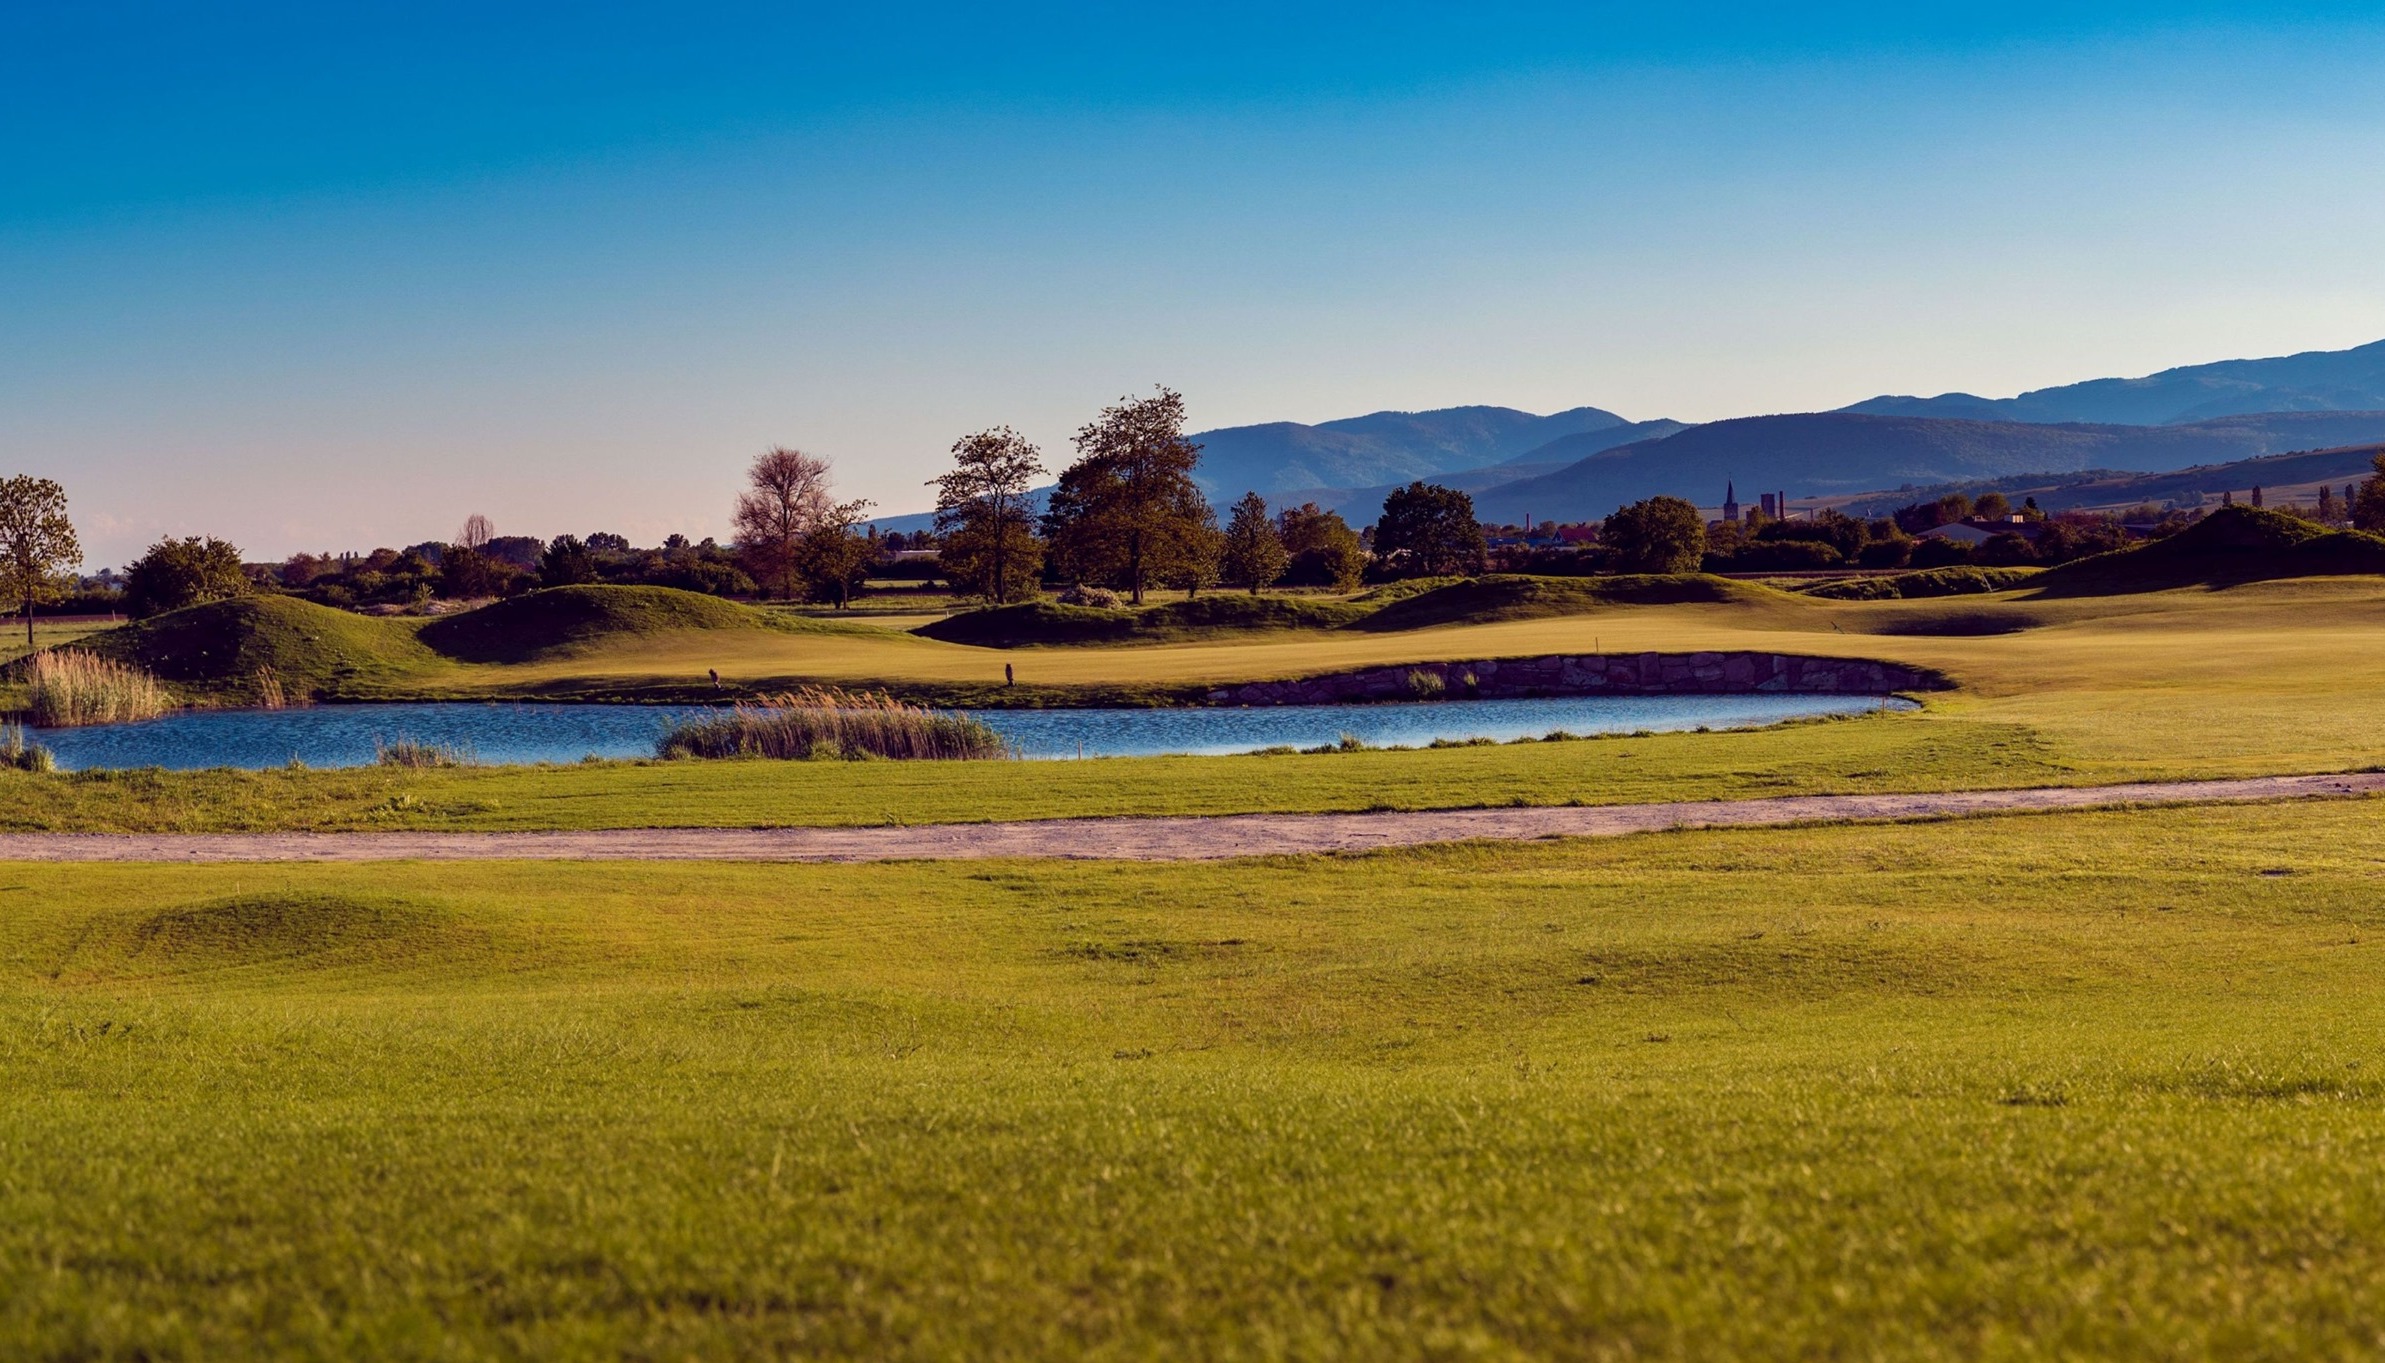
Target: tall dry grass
x=269, y=689
x=72, y=688
x=416, y=755
x=823, y=722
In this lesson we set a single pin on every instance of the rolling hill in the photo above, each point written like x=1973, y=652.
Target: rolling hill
x=2313, y=381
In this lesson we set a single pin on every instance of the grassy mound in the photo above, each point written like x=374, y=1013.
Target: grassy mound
x=1961, y=580
x=307, y=929
x=1959, y=623
x=1045, y=622
x=1486, y=600
x=2232, y=545
x=1420, y=604
x=234, y=647
x=567, y=620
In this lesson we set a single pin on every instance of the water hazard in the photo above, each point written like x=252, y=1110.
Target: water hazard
x=351, y=735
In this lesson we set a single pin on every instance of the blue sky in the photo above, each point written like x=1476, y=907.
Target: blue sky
x=334, y=276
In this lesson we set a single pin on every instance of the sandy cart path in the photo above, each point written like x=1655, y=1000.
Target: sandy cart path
x=1208, y=838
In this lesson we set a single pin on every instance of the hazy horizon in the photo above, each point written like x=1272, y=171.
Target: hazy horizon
x=317, y=281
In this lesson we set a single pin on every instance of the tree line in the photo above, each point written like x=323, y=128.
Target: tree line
x=1127, y=515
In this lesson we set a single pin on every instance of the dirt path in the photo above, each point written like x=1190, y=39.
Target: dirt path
x=1137, y=839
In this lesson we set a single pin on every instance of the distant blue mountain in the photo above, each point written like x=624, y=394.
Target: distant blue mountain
x=1830, y=453
x=2314, y=381
x=1379, y=448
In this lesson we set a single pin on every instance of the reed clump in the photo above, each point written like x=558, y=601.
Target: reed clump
x=825, y=723
x=271, y=695
x=19, y=753
x=416, y=755
x=71, y=688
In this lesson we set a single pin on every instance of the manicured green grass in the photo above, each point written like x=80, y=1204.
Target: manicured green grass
x=2064, y=1086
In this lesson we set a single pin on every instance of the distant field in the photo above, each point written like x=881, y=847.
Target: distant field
x=2259, y=679
x=2058, y=1086
x=46, y=634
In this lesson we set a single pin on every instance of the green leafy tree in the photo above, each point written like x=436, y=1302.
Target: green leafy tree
x=1255, y=556
x=37, y=543
x=1127, y=512
x=1325, y=551
x=984, y=517
x=465, y=573
x=566, y=563
x=1659, y=535
x=1430, y=531
x=1199, y=557
x=833, y=561
x=185, y=572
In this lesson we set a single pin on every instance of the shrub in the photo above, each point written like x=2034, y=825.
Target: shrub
x=823, y=722
x=1886, y=553
x=1938, y=551
x=71, y=688
x=1783, y=556
x=1099, y=598
x=1425, y=685
x=185, y=572
x=1958, y=581
x=20, y=753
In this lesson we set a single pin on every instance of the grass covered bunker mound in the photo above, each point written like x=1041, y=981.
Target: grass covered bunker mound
x=2233, y=545
x=566, y=620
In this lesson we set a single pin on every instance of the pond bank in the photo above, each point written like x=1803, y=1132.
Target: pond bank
x=1591, y=674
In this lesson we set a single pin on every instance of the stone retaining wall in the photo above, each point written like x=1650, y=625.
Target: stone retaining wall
x=1590, y=674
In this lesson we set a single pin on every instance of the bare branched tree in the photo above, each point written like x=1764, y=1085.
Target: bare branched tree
x=477, y=532
x=785, y=500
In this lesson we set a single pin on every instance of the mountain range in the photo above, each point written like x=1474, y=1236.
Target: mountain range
x=2313, y=381
x=1582, y=463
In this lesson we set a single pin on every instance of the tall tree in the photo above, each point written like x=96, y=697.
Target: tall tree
x=2364, y=502
x=185, y=572
x=477, y=532
x=1254, y=552
x=785, y=500
x=37, y=542
x=1430, y=531
x=1325, y=550
x=985, y=518
x=831, y=560
x=1659, y=535
x=1127, y=511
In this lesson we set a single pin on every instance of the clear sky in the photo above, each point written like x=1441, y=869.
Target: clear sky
x=330, y=276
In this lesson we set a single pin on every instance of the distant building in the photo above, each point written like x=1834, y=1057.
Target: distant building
x=1771, y=507
x=1730, y=501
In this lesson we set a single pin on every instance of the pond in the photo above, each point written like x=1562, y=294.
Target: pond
x=350, y=735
